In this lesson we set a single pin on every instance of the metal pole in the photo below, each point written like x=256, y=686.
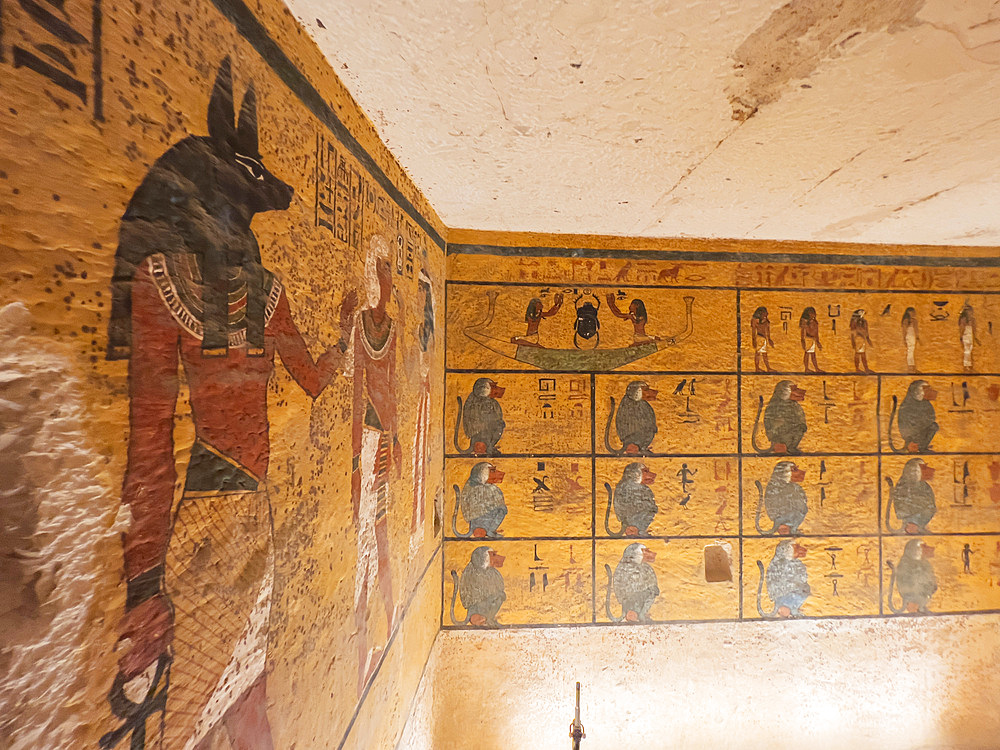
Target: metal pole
x=576, y=728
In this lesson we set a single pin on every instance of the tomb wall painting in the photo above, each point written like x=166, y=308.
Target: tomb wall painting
x=238, y=296
x=96, y=97
x=707, y=434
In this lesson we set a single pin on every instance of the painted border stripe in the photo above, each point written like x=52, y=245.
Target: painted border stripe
x=764, y=621
x=253, y=31
x=727, y=257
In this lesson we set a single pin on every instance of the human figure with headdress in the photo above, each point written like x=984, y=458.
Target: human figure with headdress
x=375, y=444
x=533, y=316
x=636, y=314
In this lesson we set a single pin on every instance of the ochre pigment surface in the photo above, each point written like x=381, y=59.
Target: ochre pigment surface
x=687, y=433
x=220, y=390
x=260, y=440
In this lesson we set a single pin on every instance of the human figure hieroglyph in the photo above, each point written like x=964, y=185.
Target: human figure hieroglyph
x=911, y=335
x=967, y=335
x=760, y=330
x=809, y=337
x=861, y=341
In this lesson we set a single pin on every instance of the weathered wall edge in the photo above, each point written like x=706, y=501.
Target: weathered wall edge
x=388, y=648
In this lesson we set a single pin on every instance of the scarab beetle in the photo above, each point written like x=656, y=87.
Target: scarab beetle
x=587, y=325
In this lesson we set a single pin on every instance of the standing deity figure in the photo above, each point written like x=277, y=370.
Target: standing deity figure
x=421, y=446
x=190, y=291
x=375, y=444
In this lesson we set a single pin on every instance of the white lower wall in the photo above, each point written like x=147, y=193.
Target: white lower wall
x=804, y=685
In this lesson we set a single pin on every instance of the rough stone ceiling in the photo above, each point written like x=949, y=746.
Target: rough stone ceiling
x=841, y=120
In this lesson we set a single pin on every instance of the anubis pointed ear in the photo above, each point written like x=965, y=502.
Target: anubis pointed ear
x=220, y=106
x=246, y=131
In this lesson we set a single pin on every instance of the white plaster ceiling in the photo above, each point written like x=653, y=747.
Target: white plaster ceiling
x=841, y=120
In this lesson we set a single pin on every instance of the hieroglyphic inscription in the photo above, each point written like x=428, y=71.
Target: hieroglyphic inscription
x=60, y=40
x=340, y=193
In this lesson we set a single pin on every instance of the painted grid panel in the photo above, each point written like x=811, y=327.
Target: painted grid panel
x=727, y=483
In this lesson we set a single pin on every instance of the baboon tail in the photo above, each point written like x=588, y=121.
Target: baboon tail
x=760, y=508
x=454, y=596
x=892, y=418
x=607, y=515
x=756, y=427
x=760, y=591
x=892, y=583
x=888, y=507
x=607, y=432
x=454, y=517
x=458, y=424
x=607, y=601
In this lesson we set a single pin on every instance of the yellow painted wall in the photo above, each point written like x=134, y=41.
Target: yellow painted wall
x=93, y=94
x=561, y=454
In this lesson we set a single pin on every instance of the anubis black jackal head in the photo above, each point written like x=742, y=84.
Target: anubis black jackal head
x=199, y=197
x=235, y=151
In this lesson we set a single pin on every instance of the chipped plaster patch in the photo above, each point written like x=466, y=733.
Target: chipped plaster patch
x=798, y=37
x=54, y=519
